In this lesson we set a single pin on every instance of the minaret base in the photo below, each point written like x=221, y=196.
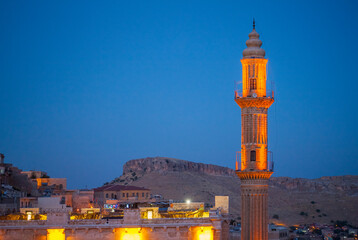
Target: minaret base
x=254, y=209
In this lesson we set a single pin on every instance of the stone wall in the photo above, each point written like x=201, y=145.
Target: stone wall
x=131, y=227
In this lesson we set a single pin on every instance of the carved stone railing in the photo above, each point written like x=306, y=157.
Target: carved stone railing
x=22, y=222
x=176, y=220
x=96, y=222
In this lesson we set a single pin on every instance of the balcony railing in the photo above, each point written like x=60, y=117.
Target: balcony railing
x=269, y=165
x=269, y=90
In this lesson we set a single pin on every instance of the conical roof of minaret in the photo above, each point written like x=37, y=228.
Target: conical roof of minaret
x=253, y=49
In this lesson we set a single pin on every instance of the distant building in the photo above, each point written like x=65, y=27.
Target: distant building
x=121, y=194
x=13, y=186
x=278, y=233
x=58, y=184
x=35, y=174
x=82, y=199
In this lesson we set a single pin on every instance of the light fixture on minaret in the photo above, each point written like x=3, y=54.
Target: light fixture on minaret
x=254, y=164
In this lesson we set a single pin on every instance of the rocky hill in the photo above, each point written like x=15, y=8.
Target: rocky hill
x=291, y=200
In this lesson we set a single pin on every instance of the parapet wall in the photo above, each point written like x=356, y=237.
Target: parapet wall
x=116, y=229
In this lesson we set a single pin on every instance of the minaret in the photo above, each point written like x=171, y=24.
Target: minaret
x=252, y=164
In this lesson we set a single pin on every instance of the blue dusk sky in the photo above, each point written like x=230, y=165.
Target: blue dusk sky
x=88, y=85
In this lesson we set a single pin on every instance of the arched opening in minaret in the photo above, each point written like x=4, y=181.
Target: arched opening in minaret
x=253, y=155
x=253, y=84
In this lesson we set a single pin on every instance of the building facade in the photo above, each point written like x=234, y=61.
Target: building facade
x=254, y=165
x=120, y=193
x=135, y=225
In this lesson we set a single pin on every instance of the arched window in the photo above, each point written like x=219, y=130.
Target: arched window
x=106, y=195
x=253, y=155
x=253, y=84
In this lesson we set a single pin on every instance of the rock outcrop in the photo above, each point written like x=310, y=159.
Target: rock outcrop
x=134, y=169
x=292, y=200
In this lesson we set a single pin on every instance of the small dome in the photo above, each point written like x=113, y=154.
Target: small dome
x=253, y=49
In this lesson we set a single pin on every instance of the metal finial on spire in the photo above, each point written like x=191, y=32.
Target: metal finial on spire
x=253, y=23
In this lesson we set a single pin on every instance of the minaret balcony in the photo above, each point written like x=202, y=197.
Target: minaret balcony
x=239, y=94
x=254, y=166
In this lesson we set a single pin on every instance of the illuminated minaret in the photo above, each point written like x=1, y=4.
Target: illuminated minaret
x=254, y=164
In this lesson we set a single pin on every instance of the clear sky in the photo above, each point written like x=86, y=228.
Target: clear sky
x=87, y=85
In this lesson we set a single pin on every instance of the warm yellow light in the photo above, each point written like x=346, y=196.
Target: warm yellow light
x=128, y=234
x=188, y=201
x=203, y=233
x=150, y=214
x=29, y=216
x=55, y=234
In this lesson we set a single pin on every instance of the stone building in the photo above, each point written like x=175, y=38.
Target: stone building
x=133, y=225
x=121, y=194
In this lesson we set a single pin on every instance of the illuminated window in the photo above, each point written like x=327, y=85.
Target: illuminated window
x=252, y=83
x=150, y=214
x=29, y=215
x=55, y=234
x=128, y=234
x=253, y=155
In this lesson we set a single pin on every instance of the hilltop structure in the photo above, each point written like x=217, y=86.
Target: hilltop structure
x=252, y=164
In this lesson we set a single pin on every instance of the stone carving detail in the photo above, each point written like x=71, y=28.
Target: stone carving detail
x=264, y=102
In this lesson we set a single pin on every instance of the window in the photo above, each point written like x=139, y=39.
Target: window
x=150, y=214
x=127, y=194
x=146, y=195
x=115, y=196
x=106, y=195
x=136, y=194
x=132, y=194
x=123, y=194
x=112, y=195
x=253, y=84
x=253, y=155
x=252, y=71
x=142, y=194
